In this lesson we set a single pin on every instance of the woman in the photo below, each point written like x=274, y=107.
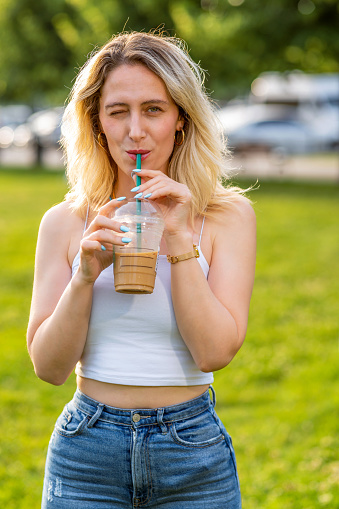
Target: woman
x=141, y=430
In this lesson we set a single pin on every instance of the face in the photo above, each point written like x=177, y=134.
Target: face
x=138, y=115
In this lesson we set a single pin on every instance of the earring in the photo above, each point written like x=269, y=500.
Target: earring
x=102, y=140
x=182, y=137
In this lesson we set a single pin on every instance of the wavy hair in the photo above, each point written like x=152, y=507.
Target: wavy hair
x=199, y=162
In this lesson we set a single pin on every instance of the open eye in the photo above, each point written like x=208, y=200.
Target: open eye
x=154, y=109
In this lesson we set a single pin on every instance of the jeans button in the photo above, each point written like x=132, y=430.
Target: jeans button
x=136, y=418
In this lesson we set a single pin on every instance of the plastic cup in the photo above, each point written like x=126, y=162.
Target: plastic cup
x=134, y=264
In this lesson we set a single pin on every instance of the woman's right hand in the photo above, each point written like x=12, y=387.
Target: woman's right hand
x=96, y=246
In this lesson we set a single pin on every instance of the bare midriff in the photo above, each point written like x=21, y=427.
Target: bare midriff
x=132, y=396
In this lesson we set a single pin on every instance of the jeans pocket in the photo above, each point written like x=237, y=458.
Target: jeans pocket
x=71, y=422
x=198, y=431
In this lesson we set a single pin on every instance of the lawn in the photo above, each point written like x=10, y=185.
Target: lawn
x=279, y=396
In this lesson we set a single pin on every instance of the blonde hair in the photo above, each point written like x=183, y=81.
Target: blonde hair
x=199, y=162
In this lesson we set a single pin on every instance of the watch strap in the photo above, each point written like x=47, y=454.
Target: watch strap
x=186, y=256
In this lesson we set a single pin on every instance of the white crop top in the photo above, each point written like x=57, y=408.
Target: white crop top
x=134, y=339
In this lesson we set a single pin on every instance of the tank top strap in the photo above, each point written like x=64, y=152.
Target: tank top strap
x=202, y=227
x=85, y=227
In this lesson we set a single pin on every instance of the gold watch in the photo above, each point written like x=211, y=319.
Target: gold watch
x=186, y=256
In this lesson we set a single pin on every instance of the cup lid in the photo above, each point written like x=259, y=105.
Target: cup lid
x=142, y=210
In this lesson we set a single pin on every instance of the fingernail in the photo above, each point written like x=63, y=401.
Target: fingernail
x=139, y=195
x=148, y=195
x=124, y=228
x=103, y=248
x=110, y=198
x=135, y=189
x=134, y=171
x=122, y=198
x=126, y=240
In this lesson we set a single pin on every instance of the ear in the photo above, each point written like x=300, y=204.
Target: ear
x=180, y=123
x=97, y=125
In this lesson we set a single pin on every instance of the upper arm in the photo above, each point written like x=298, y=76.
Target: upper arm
x=52, y=269
x=232, y=268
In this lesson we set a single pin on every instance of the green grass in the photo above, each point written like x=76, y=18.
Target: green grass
x=278, y=398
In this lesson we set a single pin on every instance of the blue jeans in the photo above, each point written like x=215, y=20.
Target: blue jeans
x=176, y=457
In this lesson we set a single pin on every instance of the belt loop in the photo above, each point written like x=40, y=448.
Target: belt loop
x=160, y=415
x=96, y=416
x=213, y=395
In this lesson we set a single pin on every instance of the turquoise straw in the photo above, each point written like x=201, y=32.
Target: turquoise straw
x=138, y=202
x=138, y=168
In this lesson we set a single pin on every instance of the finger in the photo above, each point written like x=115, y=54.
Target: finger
x=108, y=238
x=87, y=246
x=107, y=209
x=143, y=180
x=103, y=222
x=144, y=172
x=146, y=175
x=163, y=189
x=145, y=186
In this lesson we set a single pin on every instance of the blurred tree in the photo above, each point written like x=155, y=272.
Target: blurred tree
x=43, y=42
x=238, y=39
x=36, y=57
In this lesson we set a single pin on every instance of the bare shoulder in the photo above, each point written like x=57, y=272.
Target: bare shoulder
x=237, y=219
x=234, y=239
x=240, y=211
x=61, y=230
x=61, y=216
x=226, y=227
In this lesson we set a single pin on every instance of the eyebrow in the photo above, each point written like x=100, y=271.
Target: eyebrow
x=151, y=101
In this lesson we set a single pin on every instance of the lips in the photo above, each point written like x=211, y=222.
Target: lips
x=133, y=154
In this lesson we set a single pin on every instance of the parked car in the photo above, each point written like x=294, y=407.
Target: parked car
x=289, y=136
x=20, y=127
x=315, y=98
x=12, y=116
x=292, y=112
x=45, y=126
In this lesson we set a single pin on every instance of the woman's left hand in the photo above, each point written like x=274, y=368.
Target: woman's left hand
x=173, y=198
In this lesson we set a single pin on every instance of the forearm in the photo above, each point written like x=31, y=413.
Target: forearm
x=207, y=327
x=59, y=341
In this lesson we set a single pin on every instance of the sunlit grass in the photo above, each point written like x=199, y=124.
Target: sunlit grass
x=279, y=395
x=278, y=398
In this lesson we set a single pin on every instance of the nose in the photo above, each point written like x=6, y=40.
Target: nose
x=136, y=127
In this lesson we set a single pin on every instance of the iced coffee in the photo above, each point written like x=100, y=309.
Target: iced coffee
x=135, y=272
x=134, y=265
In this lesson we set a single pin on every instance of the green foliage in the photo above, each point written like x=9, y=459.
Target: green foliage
x=36, y=55
x=43, y=43
x=278, y=398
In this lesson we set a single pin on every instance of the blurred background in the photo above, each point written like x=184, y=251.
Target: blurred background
x=272, y=69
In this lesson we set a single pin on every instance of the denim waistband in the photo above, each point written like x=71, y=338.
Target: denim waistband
x=143, y=416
